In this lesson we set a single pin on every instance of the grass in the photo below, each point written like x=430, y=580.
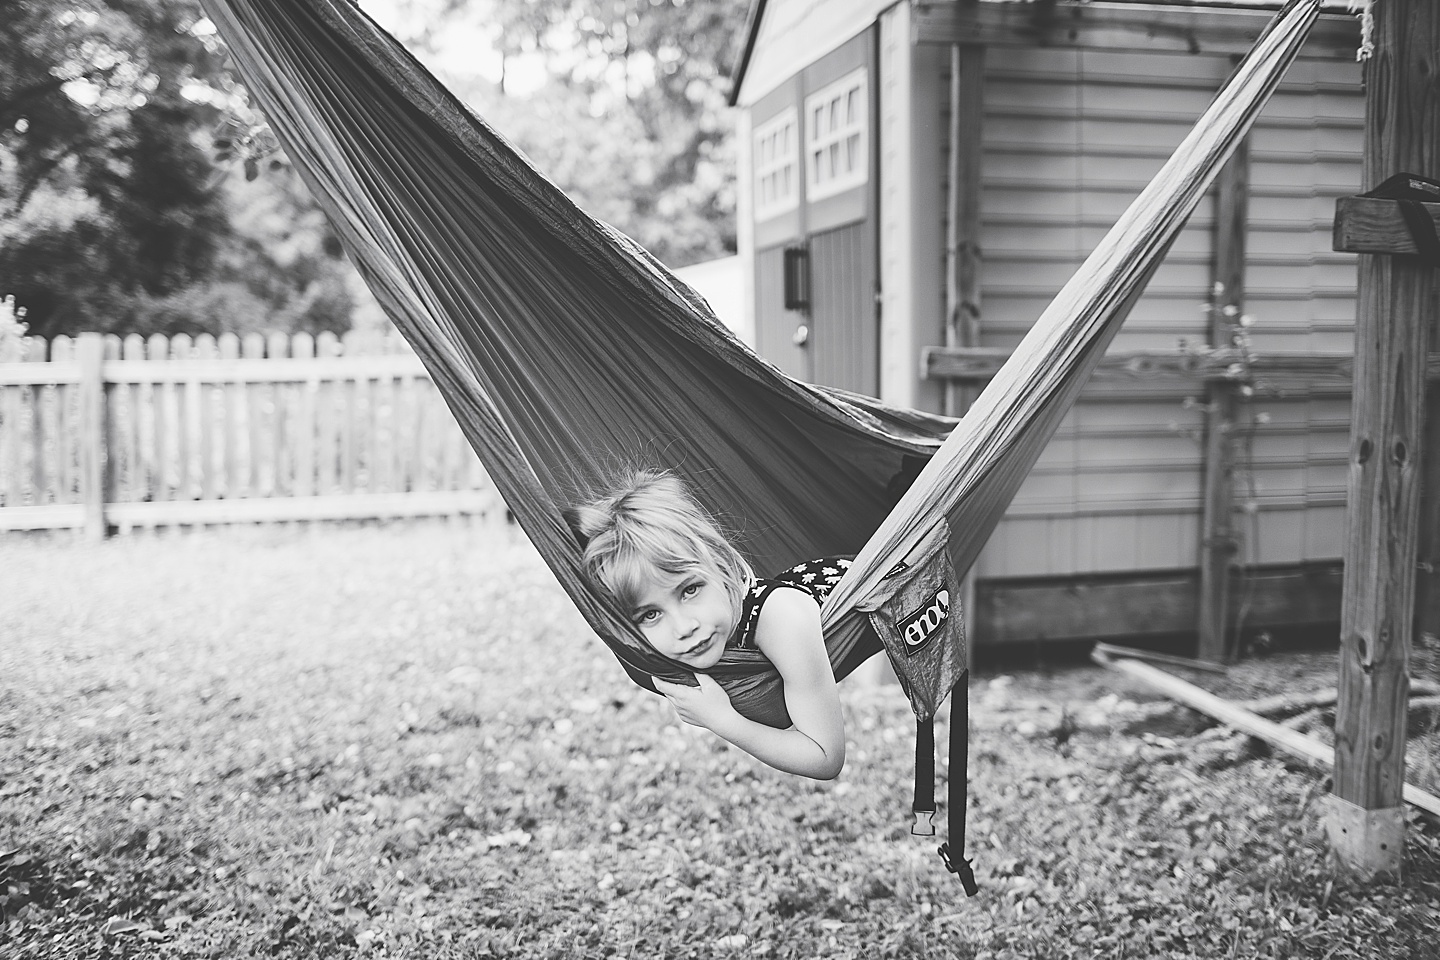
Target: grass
x=403, y=742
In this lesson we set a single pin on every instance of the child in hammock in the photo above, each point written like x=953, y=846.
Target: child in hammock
x=691, y=596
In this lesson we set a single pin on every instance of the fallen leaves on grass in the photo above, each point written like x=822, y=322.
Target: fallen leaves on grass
x=423, y=753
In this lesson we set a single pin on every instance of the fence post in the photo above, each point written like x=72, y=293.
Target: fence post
x=90, y=351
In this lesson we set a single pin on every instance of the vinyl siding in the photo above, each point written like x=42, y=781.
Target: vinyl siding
x=1070, y=138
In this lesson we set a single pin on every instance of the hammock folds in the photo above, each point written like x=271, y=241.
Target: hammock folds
x=564, y=350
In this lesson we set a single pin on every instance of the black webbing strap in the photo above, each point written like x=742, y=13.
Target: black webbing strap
x=924, y=806
x=1411, y=190
x=952, y=851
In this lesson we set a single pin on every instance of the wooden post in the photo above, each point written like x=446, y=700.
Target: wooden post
x=1218, y=544
x=1427, y=578
x=91, y=354
x=962, y=241
x=962, y=247
x=1396, y=297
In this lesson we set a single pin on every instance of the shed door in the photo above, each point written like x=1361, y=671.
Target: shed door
x=843, y=335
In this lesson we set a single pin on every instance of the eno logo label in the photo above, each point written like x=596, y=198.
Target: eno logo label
x=920, y=627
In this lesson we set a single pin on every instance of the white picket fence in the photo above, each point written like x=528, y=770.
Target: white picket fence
x=101, y=432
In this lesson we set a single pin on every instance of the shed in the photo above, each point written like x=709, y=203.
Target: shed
x=917, y=180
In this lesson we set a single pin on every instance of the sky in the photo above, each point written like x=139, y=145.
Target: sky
x=464, y=50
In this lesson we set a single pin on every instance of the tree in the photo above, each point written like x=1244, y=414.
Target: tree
x=113, y=212
x=631, y=121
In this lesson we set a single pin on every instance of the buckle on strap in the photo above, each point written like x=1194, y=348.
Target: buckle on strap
x=963, y=870
x=924, y=825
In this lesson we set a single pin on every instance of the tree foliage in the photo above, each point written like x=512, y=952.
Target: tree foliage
x=113, y=212
x=631, y=117
x=131, y=199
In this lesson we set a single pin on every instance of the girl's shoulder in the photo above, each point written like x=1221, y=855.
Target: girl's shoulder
x=813, y=577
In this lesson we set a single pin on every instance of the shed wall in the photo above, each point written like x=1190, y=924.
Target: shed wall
x=1070, y=138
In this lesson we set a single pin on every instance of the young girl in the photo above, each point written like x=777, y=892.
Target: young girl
x=691, y=595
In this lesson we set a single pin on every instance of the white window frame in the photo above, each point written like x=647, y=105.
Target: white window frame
x=843, y=126
x=777, y=155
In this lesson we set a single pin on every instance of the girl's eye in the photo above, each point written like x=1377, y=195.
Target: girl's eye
x=690, y=590
x=649, y=616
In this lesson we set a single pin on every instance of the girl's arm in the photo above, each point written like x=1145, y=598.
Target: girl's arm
x=789, y=635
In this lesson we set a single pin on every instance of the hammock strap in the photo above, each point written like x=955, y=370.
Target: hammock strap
x=952, y=851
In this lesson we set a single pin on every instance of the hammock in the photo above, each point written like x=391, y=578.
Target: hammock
x=563, y=349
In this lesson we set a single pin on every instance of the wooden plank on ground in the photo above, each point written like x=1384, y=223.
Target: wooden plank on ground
x=1247, y=722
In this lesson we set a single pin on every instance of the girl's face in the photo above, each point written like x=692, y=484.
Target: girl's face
x=688, y=618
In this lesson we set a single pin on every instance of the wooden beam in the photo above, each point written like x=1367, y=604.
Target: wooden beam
x=1333, y=369
x=1397, y=298
x=1218, y=542
x=359, y=506
x=1372, y=225
x=272, y=370
x=1161, y=28
x=1147, y=604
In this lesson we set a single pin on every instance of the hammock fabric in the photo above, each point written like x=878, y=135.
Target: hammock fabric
x=564, y=350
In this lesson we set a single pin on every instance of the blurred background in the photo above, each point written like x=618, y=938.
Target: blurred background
x=141, y=194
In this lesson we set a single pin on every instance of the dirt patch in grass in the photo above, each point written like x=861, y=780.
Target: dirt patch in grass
x=402, y=741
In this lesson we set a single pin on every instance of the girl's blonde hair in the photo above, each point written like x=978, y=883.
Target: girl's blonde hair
x=648, y=529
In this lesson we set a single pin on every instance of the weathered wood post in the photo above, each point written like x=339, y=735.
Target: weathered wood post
x=90, y=351
x=1219, y=544
x=963, y=258
x=1395, y=305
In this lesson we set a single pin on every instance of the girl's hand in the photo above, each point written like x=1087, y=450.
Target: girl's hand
x=707, y=705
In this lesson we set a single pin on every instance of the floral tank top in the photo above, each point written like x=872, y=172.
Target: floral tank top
x=815, y=577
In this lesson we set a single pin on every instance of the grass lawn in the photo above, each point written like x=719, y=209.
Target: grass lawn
x=403, y=742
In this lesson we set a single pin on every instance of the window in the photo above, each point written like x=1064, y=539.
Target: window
x=836, y=154
x=777, y=165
